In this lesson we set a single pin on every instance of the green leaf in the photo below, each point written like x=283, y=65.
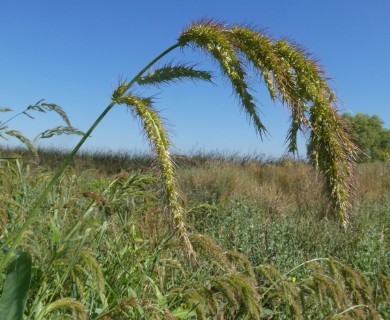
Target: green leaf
x=28, y=115
x=181, y=313
x=55, y=238
x=16, y=287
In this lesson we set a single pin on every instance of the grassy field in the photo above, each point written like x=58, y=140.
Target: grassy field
x=267, y=243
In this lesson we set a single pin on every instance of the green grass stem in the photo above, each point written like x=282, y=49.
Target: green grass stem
x=38, y=203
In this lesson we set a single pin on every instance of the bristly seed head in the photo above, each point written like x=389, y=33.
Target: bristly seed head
x=292, y=76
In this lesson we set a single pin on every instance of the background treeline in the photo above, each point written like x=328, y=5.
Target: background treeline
x=370, y=135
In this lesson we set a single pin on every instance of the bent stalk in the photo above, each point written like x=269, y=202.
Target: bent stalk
x=38, y=203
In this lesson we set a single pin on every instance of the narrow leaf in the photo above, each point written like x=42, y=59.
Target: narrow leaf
x=183, y=313
x=30, y=116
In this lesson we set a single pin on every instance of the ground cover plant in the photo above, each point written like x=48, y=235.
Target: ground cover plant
x=120, y=247
x=107, y=252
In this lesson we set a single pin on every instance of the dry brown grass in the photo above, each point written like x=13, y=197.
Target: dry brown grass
x=373, y=182
x=289, y=186
x=280, y=188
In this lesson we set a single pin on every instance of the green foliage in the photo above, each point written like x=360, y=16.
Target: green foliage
x=102, y=249
x=370, y=135
x=305, y=91
x=292, y=76
x=15, y=288
x=154, y=129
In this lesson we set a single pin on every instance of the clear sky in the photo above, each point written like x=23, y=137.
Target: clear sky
x=73, y=52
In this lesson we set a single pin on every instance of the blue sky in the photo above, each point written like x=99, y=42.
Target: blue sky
x=73, y=52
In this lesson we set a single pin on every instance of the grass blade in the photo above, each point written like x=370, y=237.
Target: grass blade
x=16, y=287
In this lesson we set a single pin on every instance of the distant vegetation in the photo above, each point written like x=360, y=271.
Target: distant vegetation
x=370, y=135
x=267, y=244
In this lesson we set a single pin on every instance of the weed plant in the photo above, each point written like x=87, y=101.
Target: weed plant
x=118, y=246
x=102, y=248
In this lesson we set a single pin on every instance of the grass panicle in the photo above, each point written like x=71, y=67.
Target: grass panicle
x=231, y=291
x=288, y=72
x=78, y=311
x=213, y=38
x=59, y=130
x=331, y=150
x=43, y=107
x=170, y=73
x=104, y=248
x=26, y=141
x=40, y=106
x=111, y=255
x=336, y=287
x=157, y=135
x=293, y=76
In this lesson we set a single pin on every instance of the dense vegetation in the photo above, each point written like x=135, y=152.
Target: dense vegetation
x=267, y=245
x=210, y=239
x=370, y=135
